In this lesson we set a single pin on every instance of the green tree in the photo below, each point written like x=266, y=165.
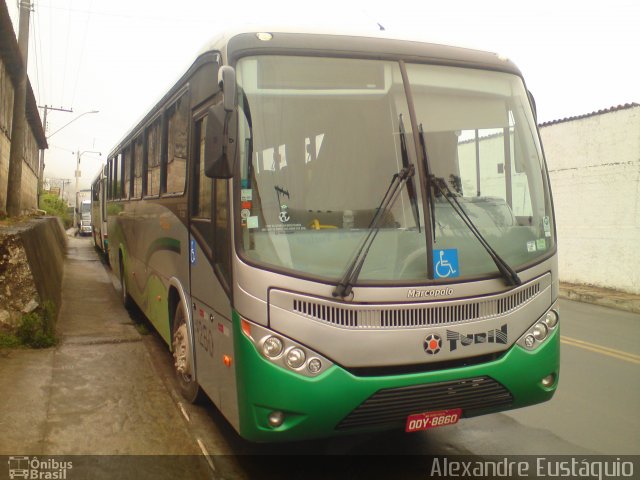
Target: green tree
x=54, y=205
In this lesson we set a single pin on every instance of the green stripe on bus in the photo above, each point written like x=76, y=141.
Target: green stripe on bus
x=313, y=407
x=160, y=244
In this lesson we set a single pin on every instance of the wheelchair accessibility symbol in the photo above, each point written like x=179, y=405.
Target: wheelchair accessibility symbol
x=446, y=263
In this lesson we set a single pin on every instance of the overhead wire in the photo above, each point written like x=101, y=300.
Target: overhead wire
x=43, y=97
x=66, y=54
x=50, y=49
x=81, y=58
x=34, y=48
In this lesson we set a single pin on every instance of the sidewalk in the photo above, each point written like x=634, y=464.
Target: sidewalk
x=97, y=391
x=601, y=296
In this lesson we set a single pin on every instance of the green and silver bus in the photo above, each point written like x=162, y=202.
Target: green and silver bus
x=342, y=234
x=99, y=210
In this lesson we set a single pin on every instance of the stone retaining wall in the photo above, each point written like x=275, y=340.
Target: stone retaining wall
x=31, y=267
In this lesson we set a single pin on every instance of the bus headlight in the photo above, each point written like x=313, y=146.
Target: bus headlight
x=541, y=330
x=283, y=351
x=295, y=358
x=272, y=347
x=551, y=318
x=314, y=365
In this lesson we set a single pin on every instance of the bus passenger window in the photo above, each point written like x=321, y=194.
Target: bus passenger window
x=117, y=177
x=154, y=136
x=178, y=116
x=109, y=168
x=137, y=168
x=202, y=183
x=126, y=172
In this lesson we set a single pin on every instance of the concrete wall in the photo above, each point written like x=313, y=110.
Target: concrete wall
x=31, y=267
x=29, y=194
x=594, y=165
x=6, y=115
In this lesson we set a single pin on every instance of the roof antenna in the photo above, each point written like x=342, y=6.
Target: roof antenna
x=382, y=29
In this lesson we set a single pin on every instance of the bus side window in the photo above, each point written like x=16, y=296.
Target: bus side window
x=154, y=138
x=177, y=120
x=222, y=241
x=201, y=183
x=137, y=149
x=126, y=173
x=117, y=177
x=109, y=169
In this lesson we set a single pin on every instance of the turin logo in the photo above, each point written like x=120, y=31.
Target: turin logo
x=432, y=344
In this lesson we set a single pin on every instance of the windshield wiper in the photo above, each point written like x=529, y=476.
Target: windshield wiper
x=411, y=185
x=427, y=171
x=439, y=183
x=345, y=285
x=505, y=269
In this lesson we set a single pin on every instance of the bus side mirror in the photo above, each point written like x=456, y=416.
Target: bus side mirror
x=220, y=142
x=227, y=83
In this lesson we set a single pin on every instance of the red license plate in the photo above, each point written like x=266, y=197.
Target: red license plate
x=425, y=421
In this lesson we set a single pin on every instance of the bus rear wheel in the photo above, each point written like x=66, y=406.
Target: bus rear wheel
x=183, y=357
x=126, y=298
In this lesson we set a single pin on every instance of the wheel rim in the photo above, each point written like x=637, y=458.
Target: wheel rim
x=182, y=352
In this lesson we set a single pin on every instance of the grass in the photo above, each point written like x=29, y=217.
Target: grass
x=9, y=340
x=36, y=330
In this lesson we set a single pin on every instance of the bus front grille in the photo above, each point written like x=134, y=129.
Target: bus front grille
x=452, y=312
x=392, y=406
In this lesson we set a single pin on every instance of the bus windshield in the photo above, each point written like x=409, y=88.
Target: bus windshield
x=325, y=141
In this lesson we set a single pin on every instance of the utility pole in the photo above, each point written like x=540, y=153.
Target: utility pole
x=14, y=184
x=44, y=123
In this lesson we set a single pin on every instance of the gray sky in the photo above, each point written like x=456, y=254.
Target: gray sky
x=120, y=56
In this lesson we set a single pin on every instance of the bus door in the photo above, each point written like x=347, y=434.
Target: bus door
x=208, y=247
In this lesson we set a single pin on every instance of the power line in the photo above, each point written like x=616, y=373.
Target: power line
x=66, y=53
x=84, y=43
x=34, y=46
x=44, y=91
x=50, y=69
x=144, y=16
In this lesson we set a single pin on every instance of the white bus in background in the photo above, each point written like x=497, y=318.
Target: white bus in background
x=83, y=215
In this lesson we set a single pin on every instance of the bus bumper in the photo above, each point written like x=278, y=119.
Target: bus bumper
x=316, y=407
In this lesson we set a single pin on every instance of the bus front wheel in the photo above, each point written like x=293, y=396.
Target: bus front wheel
x=183, y=357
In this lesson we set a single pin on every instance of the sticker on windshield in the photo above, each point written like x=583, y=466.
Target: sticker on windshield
x=446, y=263
x=546, y=225
x=531, y=246
x=284, y=214
x=246, y=195
x=541, y=243
x=252, y=222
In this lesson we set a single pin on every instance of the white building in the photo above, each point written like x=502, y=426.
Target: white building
x=594, y=165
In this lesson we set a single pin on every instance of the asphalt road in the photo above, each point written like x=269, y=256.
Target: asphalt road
x=595, y=411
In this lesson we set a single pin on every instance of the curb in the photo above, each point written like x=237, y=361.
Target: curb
x=603, y=297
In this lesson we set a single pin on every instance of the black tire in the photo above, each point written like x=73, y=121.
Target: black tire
x=127, y=301
x=182, y=357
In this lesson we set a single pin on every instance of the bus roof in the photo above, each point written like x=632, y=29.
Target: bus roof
x=376, y=44
x=351, y=42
